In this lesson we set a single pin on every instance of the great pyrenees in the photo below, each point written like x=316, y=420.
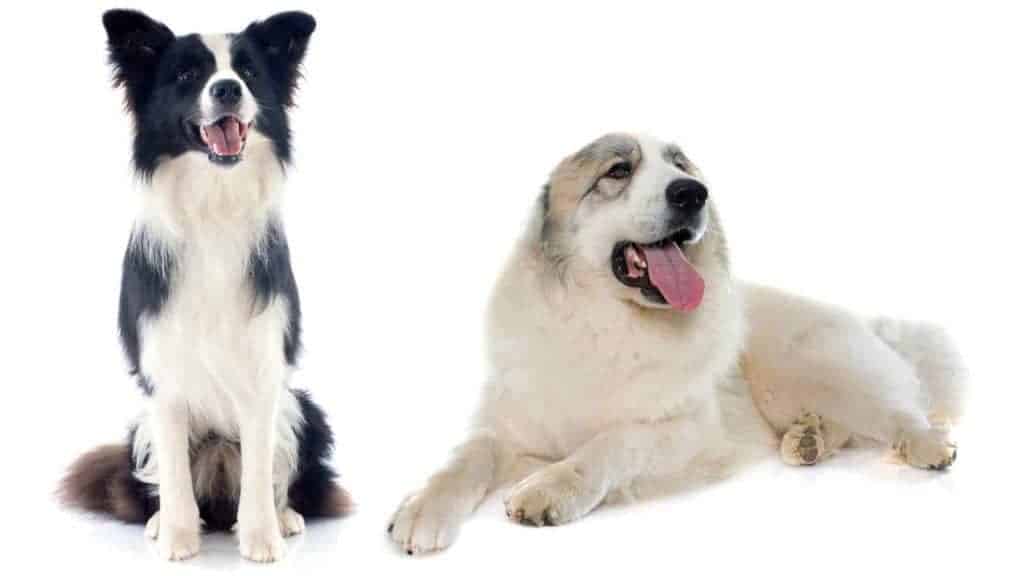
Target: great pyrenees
x=612, y=330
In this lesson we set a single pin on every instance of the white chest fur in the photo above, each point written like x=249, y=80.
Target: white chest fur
x=212, y=346
x=568, y=364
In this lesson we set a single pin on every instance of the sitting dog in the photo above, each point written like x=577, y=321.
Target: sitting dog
x=611, y=331
x=209, y=313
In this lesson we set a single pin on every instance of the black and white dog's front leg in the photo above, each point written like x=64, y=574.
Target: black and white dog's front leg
x=176, y=525
x=569, y=489
x=259, y=527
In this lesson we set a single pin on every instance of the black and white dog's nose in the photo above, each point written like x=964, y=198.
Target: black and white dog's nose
x=226, y=92
x=686, y=194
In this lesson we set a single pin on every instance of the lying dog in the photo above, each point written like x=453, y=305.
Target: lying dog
x=612, y=327
x=209, y=313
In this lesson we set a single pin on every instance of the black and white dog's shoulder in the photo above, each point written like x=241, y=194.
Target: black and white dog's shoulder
x=209, y=313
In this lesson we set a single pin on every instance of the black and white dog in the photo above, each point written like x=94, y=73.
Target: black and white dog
x=209, y=312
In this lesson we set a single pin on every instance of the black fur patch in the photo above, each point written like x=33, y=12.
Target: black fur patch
x=144, y=494
x=145, y=287
x=270, y=271
x=313, y=492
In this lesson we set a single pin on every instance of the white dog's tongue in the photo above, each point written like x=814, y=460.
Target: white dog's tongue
x=677, y=279
x=224, y=137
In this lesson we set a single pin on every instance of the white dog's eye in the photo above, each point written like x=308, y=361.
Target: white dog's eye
x=619, y=171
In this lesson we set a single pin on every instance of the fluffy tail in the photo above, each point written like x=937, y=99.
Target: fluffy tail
x=937, y=362
x=101, y=481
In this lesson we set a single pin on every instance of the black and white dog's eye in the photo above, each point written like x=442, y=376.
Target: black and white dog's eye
x=248, y=73
x=620, y=171
x=187, y=75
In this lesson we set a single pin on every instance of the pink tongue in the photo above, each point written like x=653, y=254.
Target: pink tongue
x=224, y=137
x=677, y=279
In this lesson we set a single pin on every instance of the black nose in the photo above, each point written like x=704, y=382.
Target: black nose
x=686, y=194
x=226, y=92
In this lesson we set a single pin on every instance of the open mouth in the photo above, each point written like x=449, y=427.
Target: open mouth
x=223, y=139
x=661, y=271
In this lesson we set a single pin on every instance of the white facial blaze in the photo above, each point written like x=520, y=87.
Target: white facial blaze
x=220, y=46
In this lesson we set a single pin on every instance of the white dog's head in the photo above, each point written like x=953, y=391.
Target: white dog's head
x=634, y=213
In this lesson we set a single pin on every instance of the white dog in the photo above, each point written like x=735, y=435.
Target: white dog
x=612, y=330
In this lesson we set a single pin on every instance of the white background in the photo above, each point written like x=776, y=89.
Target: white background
x=866, y=153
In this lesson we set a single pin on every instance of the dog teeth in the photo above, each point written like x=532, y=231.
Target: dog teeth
x=637, y=261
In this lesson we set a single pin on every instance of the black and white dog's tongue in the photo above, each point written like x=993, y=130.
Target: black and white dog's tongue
x=224, y=137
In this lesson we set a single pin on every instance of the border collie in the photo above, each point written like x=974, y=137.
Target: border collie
x=209, y=312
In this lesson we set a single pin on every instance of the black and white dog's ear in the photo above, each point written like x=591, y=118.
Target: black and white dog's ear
x=135, y=42
x=283, y=39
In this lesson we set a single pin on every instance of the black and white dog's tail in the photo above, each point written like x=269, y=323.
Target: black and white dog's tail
x=104, y=480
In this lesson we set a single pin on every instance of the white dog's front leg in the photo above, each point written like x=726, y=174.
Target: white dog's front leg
x=568, y=490
x=178, y=518
x=429, y=520
x=259, y=529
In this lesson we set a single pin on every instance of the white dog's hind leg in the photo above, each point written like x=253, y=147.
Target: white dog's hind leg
x=942, y=374
x=868, y=387
x=937, y=362
x=429, y=520
x=810, y=440
x=823, y=361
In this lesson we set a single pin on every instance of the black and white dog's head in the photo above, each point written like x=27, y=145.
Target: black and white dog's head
x=212, y=95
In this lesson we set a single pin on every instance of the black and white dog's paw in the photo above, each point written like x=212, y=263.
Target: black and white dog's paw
x=263, y=543
x=174, y=541
x=292, y=523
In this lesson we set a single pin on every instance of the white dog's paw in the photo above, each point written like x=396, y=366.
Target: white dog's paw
x=292, y=523
x=804, y=442
x=427, y=521
x=931, y=450
x=173, y=542
x=556, y=494
x=262, y=543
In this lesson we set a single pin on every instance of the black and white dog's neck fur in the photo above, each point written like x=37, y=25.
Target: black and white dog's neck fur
x=209, y=314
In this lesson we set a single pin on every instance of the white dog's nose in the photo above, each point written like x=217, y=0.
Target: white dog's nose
x=686, y=194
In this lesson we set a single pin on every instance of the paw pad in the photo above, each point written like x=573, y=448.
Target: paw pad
x=804, y=442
